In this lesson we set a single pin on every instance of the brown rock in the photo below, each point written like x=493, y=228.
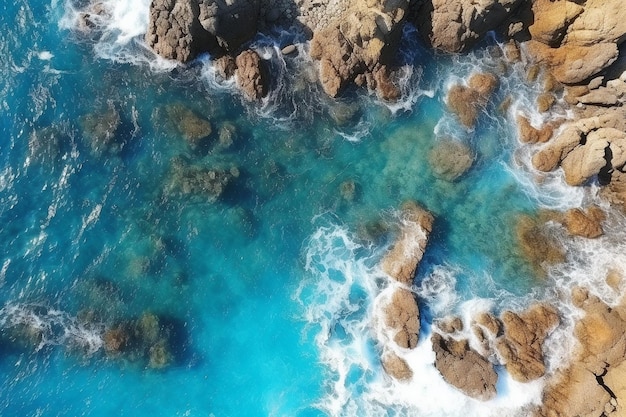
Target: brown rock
x=450, y=324
x=225, y=66
x=467, y=101
x=396, y=367
x=572, y=64
x=251, y=74
x=402, y=259
x=579, y=223
x=529, y=134
x=463, y=368
x=601, y=21
x=115, y=340
x=192, y=127
x=403, y=317
x=521, y=346
x=489, y=322
x=536, y=245
x=545, y=101
x=552, y=19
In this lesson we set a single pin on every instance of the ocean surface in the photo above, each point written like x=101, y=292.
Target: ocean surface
x=256, y=298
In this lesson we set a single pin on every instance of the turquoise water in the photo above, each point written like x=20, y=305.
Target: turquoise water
x=98, y=236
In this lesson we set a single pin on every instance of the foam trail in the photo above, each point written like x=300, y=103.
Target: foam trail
x=51, y=327
x=340, y=301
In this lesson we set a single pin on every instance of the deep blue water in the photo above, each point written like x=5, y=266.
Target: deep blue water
x=95, y=237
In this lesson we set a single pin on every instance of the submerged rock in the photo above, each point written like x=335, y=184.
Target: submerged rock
x=449, y=159
x=44, y=145
x=206, y=184
x=521, y=346
x=463, y=368
x=540, y=248
x=529, y=134
x=100, y=129
x=402, y=259
x=193, y=128
x=402, y=316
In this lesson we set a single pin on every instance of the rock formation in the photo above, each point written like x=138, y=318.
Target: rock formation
x=454, y=26
x=592, y=385
x=403, y=318
x=585, y=224
x=521, y=346
x=402, y=259
x=463, y=368
x=359, y=45
x=467, y=101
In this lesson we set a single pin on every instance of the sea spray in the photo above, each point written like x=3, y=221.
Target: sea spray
x=343, y=290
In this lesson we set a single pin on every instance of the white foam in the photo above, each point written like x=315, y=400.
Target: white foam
x=45, y=55
x=52, y=327
x=345, y=289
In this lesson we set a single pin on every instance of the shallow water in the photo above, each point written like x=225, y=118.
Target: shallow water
x=265, y=296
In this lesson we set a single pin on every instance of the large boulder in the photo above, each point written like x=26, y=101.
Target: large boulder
x=396, y=367
x=401, y=261
x=551, y=20
x=463, y=368
x=182, y=29
x=251, y=74
x=402, y=316
x=358, y=45
x=585, y=224
x=521, y=346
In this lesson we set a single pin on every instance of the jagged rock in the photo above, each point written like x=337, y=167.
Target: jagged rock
x=251, y=74
x=449, y=159
x=604, y=150
x=585, y=388
x=454, y=26
x=467, y=101
x=396, y=367
x=579, y=223
x=358, y=45
x=463, y=368
x=182, y=29
x=521, y=346
x=402, y=259
x=450, y=324
x=231, y=22
x=489, y=322
x=601, y=21
x=225, y=66
x=403, y=318
x=529, y=134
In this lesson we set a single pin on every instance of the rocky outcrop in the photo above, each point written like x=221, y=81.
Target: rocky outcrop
x=192, y=127
x=401, y=261
x=449, y=159
x=251, y=75
x=454, y=26
x=521, y=346
x=402, y=317
x=463, y=368
x=467, y=101
x=358, y=45
x=181, y=29
x=592, y=385
x=198, y=183
x=530, y=134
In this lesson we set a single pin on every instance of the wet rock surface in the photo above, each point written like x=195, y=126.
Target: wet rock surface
x=402, y=259
x=403, y=318
x=467, y=101
x=464, y=368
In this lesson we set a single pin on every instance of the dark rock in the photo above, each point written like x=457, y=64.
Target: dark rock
x=252, y=76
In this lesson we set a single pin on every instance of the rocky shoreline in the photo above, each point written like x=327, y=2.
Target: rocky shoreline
x=572, y=47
